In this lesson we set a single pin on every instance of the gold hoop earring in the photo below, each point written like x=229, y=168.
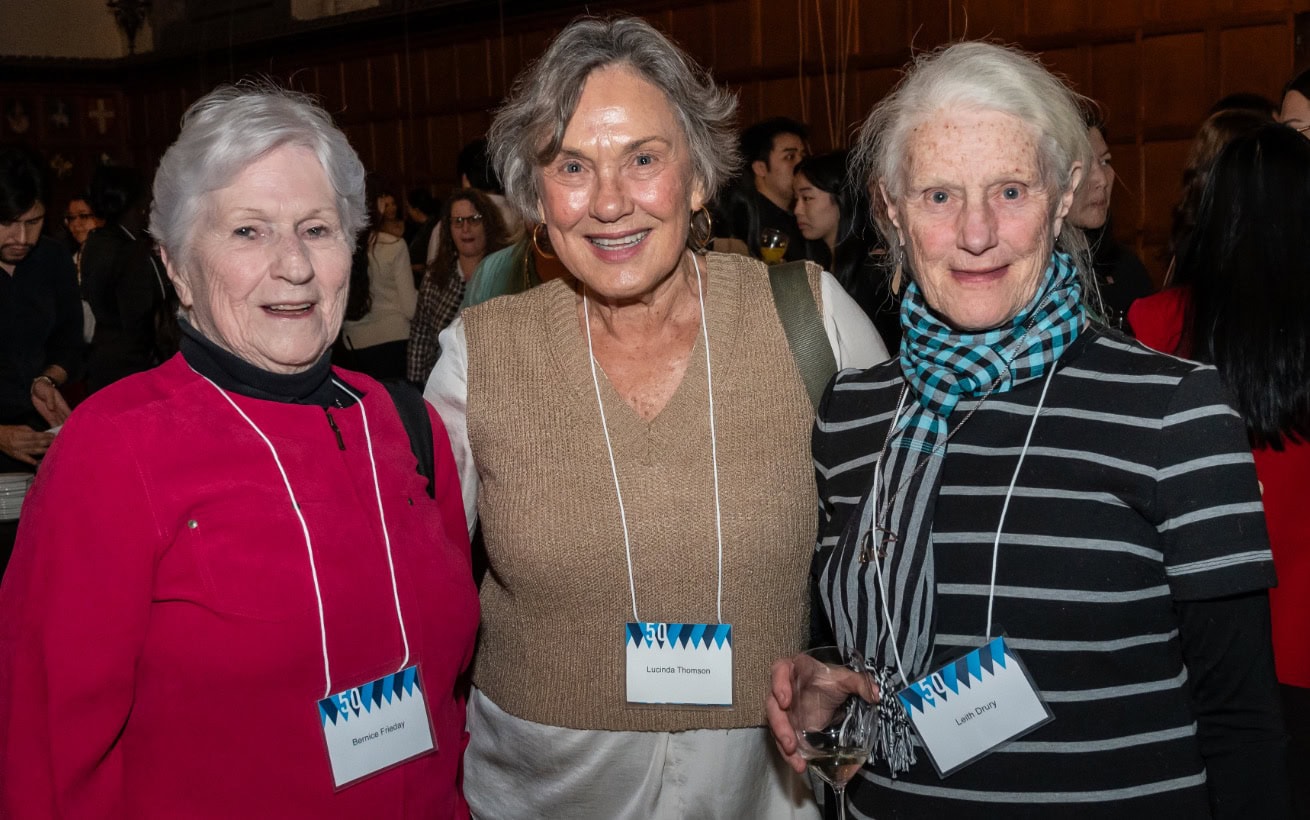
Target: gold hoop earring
x=699, y=240
x=536, y=241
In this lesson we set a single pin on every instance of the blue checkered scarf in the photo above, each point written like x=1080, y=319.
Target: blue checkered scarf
x=941, y=366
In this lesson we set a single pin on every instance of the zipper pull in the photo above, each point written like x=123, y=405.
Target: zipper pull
x=335, y=430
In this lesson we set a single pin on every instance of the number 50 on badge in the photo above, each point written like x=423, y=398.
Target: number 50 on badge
x=678, y=664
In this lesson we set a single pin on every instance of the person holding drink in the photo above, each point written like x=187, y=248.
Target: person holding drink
x=1046, y=539
x=636, y=440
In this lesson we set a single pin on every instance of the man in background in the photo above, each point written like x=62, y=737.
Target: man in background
x=762, y=196
x=41, y=343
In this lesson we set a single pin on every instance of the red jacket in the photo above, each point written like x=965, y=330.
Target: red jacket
x=1158, y=322
x=160, y=651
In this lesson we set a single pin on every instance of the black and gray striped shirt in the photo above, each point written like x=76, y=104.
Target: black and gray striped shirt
x=1137, y=495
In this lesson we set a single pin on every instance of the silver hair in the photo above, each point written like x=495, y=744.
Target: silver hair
x=528, y=130
x=988, y=77
x=229, y=128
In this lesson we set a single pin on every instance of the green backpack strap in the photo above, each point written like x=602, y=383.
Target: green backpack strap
x=803, y=326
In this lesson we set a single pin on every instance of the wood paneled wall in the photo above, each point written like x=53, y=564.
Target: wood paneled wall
x=409, y=99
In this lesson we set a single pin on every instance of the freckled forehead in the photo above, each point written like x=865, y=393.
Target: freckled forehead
x=971, y=146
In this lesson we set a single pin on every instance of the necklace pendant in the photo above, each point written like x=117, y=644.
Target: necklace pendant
x=888, y=537
x=866, y=549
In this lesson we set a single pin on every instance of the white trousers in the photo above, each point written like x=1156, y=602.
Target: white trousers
x=515, y=769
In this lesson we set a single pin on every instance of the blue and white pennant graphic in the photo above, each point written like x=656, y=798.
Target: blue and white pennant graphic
x=680, y=635
x=973, y=705
x=391, y=688
x=940, y=687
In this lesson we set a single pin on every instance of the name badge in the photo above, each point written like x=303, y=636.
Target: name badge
x=375, y=726
x=968, y=708
x=683, y=664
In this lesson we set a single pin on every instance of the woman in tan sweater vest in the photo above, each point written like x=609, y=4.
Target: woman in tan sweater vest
x=636, y=442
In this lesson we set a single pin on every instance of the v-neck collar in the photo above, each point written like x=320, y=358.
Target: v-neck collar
x=687, y=409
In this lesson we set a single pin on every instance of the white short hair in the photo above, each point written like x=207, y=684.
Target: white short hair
x=229, y=128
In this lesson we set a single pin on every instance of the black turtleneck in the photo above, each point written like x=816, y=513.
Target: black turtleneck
x=314, y=386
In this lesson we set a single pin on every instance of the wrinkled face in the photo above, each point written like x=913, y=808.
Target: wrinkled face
x=773, y=177
x=977, y=223
x=81, y=220
x=1091, y=206
x=817, y=213
x=269, y=263
x=468, y=229
x=18, y=237
x=1295, y=112
x=617, y=198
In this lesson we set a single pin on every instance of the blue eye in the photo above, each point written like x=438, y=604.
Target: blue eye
x=1012, y=192
x=572, y=167
x=245, y=232
x=645, y=159
x=938, y=197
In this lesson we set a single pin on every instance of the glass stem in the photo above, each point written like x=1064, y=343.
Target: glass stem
x=840, y=791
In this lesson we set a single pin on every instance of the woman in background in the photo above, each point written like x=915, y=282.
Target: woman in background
x=1120, y=276
x=833, y=216
x=471, y=228
x=1245, y=308
x=376, y=340
x=80, y=220
x=1155, y=319
x=1295, y=110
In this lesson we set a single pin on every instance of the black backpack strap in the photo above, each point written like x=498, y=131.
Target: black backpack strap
x=803, y=326
x=413, y=412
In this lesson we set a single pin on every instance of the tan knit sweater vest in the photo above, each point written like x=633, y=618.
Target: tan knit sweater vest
x=556, y=599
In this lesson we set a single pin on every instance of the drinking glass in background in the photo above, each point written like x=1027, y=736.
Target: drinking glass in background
x=773, y=245
x=834, y=725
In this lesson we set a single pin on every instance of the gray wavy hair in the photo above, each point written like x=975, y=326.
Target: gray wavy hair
x=989, y=77
x=528, y=130
x=229, y=128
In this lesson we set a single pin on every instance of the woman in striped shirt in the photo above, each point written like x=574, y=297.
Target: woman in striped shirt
x=1023, y=483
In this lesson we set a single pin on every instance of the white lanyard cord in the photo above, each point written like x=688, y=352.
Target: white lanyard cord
x=1005, y=506
x=714, y=447
x=996, y=543
x=714, y=439
x=304, y=527
x=382, y=517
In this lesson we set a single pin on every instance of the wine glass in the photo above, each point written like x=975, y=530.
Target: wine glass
x=773, y=245
x=834, y=725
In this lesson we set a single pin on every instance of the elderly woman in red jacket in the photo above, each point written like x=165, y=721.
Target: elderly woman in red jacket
x=233, y=594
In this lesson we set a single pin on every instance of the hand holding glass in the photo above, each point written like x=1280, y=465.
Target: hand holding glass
x=834, y=724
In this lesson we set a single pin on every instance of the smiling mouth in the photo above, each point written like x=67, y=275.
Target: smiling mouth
x=618, y=243
x=290, y=309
